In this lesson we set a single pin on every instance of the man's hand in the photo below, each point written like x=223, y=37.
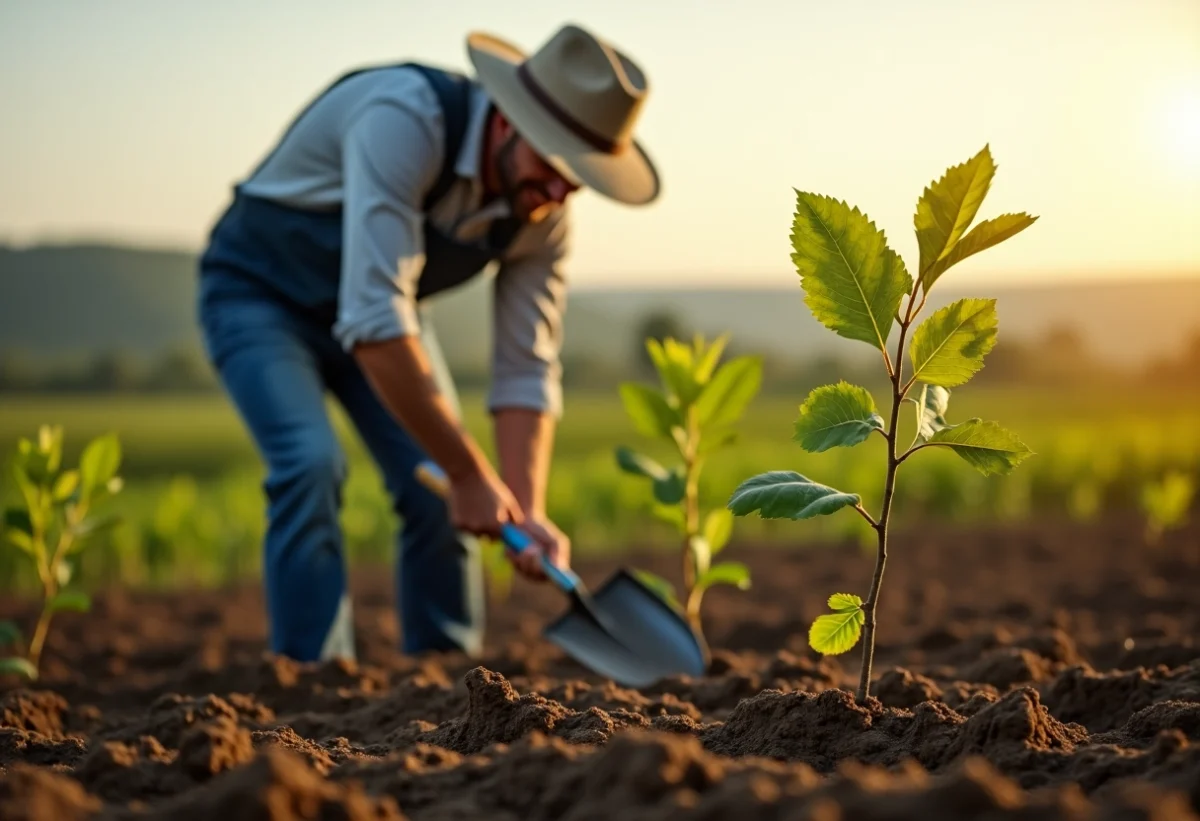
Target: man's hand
x=481, y=504
x=548, y=541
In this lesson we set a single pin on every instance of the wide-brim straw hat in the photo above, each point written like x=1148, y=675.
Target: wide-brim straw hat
x=576, y=100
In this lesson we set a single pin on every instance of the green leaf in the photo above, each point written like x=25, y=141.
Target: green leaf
x=707, y=356
x=785, y=494
x=701, y=553
x=50, y=439
x=639, y=465
x=99, y=463
x=92, y=527
x=840, y=415
x=676, y=366
x=731, y=573
x=66, y=484
x=670, y=490
x=948, y=206
x=718, y=527
x=986, y=446
x=20, y=540
x=844, y=602
x=931, y=411
x=661, y=587
x=948, y=348
x=853, y=281
x=730, y=390
x=9, y=633
x=716, y=441
x=648, y=409
x=19, y=666
x=835, y=633
x=18, y=519
x=75, y=600
x=671, y=514
x=981, y=237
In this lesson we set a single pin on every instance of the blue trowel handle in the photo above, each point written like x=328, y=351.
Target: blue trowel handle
x=517, y=540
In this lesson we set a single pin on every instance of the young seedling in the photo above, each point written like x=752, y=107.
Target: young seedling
x=854, y=285
x=697, y=404
x=1165, y=504
x=54, y=525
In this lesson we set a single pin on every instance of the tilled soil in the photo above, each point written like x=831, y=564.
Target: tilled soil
x=1032, y=673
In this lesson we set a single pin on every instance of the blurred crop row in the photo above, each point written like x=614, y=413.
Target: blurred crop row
x=192, y=509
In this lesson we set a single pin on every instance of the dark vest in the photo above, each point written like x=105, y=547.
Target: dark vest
x=298, y=253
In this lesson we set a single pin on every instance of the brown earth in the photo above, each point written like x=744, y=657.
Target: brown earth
x=1033, y=673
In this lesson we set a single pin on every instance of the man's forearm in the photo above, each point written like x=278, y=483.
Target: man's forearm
x=401, y=375
x=524, y=444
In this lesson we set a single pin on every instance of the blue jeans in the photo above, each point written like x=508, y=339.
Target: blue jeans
x=278, y=364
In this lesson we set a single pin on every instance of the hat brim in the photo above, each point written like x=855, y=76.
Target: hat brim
x=628, y=177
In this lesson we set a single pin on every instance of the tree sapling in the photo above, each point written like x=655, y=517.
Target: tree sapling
x=54, y=525
x=697, y=404
x=854, y=285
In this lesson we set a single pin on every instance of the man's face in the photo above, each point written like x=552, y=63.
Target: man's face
x=532, y=187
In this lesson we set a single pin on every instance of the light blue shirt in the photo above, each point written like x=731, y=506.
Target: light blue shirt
x=374, y=145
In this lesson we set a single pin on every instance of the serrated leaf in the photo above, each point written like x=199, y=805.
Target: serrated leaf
x=853, y=282
x=670, y=489
x=725, y=397
x=931, y=411
x=99, y=462
x=9, y=633
x=834, y=633
x=18, y=666
x=75, y=600
x=948, y=348
x=735, y=574
x=986, y=446
x=948, y=206
x=718, y=527
x=785, y=494
x=981, y=237
x=648, y=409
x=844, y=602
x=841, y=415
x=639, y=464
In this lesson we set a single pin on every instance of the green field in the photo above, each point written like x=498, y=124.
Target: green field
x=193, y=511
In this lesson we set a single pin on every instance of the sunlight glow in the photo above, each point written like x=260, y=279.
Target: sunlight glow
x=1182, y=130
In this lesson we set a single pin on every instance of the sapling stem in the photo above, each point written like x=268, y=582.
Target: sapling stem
x=889, y=488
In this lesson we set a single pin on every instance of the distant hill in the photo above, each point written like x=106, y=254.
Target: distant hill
x=70, y=300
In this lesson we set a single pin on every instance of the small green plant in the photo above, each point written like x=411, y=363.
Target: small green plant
x=854, y=285
x=694, y=410
x=56, y=523
x=1165, y=504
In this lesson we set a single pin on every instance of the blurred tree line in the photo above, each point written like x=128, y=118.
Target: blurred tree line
x=1059, y=357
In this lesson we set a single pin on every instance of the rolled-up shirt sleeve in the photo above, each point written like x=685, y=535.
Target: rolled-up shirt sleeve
x=391, y=156
x=529, y=308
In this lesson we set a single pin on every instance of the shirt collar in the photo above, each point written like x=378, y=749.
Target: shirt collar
x=467, y=164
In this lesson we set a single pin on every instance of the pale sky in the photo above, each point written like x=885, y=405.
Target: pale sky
x=129, y=119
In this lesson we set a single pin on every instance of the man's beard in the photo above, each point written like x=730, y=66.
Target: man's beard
x=511, y=187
